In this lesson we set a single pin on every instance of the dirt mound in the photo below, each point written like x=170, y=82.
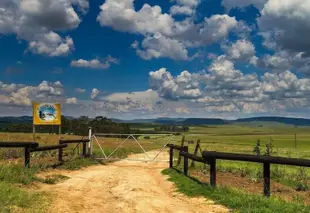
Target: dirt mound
x=123, y=186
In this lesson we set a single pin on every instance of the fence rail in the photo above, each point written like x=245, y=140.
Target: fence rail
x=35, y=147
x=210, y=157
x=18, y=144
x=256, y=158
x=73, y=141
x=46, y=148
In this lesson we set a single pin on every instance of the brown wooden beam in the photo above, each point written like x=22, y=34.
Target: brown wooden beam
x=256, y=158
x=74, y=141
x=185, y=170
x=267, y=179
x=18, y=144
x=212, y=172
x=27, y=157
x=171, y=157
x=193, y=157
x=46, y=148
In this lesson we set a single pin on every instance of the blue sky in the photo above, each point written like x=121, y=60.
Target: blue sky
x=142, y=59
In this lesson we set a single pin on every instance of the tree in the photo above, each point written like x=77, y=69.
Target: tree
x=257, y=147
x=269, y=148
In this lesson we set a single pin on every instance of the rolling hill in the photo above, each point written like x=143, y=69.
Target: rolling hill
x=184, y=121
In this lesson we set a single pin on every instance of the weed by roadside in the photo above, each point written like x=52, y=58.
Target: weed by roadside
x=79, y=163
x=13, y=198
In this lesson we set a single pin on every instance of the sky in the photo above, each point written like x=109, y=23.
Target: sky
x=146, y=59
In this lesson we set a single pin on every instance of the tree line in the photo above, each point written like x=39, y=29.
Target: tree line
x=171, y=128
x=78, y=126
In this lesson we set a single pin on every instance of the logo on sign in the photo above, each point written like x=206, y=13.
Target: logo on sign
x=47, y=112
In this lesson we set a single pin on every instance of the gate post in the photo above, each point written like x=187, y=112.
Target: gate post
x=267, y=179
x=90, y=141
x=84, y=149
x=60, y=153
x=27, y=157
x=213, y=172
x=185, y=149
x=171, y=157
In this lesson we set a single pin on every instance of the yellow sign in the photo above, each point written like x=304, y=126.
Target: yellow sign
x=46, y=114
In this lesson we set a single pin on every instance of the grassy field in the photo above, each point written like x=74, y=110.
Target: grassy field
x=287, y=181
x=224, y=138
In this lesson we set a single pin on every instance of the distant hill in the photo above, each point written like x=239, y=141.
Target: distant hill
x=22, y=119
x=142, y=121
x=203, y=121
x=218, y=121
x=283, y=120
x=184, y=121
x=10, y=119
x=164, y=120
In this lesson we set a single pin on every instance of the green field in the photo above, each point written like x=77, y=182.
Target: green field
x=242, y=139
x=287, y=141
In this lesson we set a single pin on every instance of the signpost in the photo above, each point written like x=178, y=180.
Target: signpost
x=46, y=114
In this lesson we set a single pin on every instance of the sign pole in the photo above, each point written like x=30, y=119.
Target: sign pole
x=59, y=137
x=34, y=132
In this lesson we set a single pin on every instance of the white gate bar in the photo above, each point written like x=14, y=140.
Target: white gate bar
x=141, y=147
x=115, y=134
x=163, y=147
x=119, y=146
x=100, y=146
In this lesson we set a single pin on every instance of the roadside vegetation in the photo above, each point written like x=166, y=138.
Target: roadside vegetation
x=233, y=199
x=16, y=182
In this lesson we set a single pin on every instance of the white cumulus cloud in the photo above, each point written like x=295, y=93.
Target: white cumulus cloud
x=38, y=21
x=94, y=63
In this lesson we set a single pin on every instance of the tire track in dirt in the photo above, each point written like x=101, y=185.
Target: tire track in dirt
x=123, y=186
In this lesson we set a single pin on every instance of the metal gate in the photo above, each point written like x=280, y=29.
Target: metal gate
x=136, y=147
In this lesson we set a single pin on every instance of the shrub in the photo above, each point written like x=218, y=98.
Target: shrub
x=257, y=147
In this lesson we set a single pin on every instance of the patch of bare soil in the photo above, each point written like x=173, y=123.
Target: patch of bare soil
x=244, y=183
x=123, y=186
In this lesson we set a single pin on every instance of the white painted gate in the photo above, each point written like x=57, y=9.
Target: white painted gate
x=137, y=147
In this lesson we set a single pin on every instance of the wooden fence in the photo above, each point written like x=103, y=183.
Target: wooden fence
x=34, y=147
x=210, y=157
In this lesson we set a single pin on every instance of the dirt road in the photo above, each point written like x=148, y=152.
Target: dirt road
x=123, y=186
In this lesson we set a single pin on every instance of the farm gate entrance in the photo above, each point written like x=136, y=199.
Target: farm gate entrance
x=136, y=147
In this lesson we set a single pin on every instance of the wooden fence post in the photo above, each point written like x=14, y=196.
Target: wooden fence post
x=182, y=145
x=185, y=149
x=195, y=152
x=213, y=172
x=84, y=149
x=171, y=157
x=60, y=151
x=60, y=154
x=27, y=157
x=267, y=179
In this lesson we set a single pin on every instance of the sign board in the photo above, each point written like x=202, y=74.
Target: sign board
x=46, y=114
